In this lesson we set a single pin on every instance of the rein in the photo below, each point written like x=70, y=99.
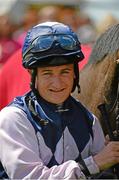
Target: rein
x=114, y=136
x=116, y=102
x=116, y=106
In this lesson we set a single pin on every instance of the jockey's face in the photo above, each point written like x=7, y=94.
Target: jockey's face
x=55, y=83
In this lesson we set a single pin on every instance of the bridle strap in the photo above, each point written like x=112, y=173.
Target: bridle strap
x=116, y=102
x=116, y=107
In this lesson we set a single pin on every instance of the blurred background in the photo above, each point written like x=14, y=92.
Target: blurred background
x=88, y=18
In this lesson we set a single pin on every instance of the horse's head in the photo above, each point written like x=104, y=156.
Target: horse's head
x=99, y=78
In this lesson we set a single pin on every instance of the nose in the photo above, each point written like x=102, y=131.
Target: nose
x=57, y=82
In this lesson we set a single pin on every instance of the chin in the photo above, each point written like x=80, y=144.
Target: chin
x=58, y=101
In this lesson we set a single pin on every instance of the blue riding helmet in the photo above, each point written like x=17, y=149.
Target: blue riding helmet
x=47, y=40
x=51, y=44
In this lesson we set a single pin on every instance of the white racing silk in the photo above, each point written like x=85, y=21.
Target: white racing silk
x=24, y=154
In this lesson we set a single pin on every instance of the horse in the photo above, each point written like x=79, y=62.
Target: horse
x=99, y=78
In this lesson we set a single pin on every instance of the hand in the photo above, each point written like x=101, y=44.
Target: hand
x=109, y=156
x=107, y=139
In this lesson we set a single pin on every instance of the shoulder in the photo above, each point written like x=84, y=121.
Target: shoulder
x=96, y=123
x=13, y=116
x=10, y=111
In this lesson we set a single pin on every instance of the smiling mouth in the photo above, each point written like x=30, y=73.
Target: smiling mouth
x=56, y=91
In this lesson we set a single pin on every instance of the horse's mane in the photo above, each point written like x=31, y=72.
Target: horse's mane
x=107, y=43
x=99, y=78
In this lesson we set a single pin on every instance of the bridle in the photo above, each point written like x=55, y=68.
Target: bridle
x=114, y=136
x=115, y=106
x=116, y=102
x=107, y=111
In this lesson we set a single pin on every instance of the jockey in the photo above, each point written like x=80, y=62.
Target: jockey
x=46, y=133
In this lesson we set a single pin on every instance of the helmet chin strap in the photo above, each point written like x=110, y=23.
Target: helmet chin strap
x=76, y=80
x=32, y=84
x=79, y=89
x=33, y=78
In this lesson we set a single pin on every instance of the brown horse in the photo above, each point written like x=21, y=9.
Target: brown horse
x=99, y=78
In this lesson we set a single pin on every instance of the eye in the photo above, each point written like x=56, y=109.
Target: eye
x=46, y=73
x=66, y=71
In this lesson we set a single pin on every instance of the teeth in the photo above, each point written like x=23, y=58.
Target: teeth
x=56, y=91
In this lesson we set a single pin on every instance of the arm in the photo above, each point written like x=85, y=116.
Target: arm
x=109, y=156
x=96, y=146
x=103, y=157
x=19, y=152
